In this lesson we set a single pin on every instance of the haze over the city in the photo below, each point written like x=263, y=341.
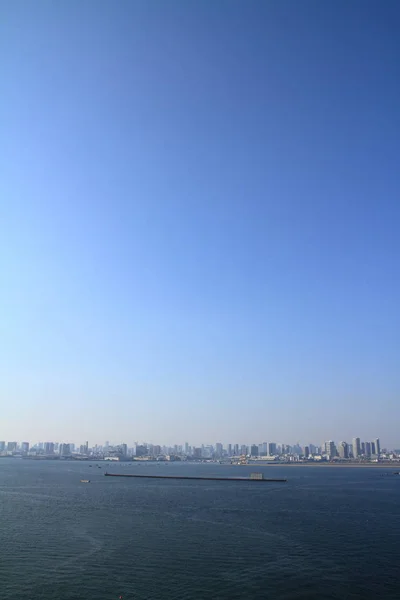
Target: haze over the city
x=199, y=232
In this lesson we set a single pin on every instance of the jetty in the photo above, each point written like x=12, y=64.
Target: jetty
x=253, y=477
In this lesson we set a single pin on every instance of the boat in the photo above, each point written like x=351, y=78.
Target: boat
x=85, y=480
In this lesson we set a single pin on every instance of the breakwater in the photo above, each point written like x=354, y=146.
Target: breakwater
x=237, y=479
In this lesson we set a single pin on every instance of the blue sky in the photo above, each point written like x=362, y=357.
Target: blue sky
x=199, y=232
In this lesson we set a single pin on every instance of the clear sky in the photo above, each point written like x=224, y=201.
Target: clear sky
x=200, y=220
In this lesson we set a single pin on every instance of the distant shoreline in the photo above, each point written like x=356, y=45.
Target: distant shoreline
x=327, y=464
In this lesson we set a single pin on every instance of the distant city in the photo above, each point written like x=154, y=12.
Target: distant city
x=329, y=451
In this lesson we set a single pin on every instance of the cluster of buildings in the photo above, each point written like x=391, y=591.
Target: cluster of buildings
x=265, y=451
x=356, y=450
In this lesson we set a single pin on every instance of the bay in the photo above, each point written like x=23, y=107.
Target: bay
x=327, y=533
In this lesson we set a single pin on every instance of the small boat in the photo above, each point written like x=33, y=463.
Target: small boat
x=85, y=480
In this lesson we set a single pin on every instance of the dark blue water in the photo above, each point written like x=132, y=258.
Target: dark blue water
x=326, y=533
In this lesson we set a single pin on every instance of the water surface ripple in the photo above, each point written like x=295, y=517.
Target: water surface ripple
x=327, y=533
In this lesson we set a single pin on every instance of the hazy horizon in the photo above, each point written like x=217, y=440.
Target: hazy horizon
x=198, y=443
x=199, y=232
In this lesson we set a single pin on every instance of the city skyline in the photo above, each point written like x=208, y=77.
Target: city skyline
x=366, y=452
x=356, y=443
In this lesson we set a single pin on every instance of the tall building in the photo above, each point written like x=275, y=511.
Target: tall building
x=229, y=449
x=11, y=446
x=2, y=446
x=207, y=451
x=367, y=448
x=330, y=449
x=65, y=449
x=236, y=449
x=373, y=449
x=243, y=449
x=156, y=450
x=271, y=449
x=363, y=448
x=254, y=450
x=25, y=447
x=306, y=451
x=377, y=446
x=356, y=447
x=124, y=449
x=218, y=449
x=186, y=448
x=343, y=450
x=49, y=448
x=141, y=450
x=263, y=449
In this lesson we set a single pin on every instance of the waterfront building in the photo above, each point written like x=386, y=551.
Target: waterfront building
x=377, y=446
x=330, y=449
x=49, y=448
x=254, y=450
x=356, y=447
x=343, y=450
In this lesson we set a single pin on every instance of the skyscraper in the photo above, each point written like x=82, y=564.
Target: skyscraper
x=254, y=450
x=49, y=448
x=271, y=449
x=373, y=449
x=123, y=448
x=343, y=450
x=356, y=447
x=65, y=449
x=330, y=449
x=367, y=448
x=25, y=447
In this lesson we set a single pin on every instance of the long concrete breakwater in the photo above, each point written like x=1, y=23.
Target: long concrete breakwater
x=242, y=479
